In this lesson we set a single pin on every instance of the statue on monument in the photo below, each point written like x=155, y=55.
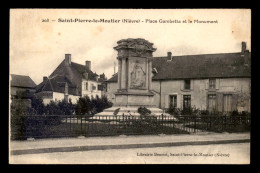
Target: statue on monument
x=138, y=76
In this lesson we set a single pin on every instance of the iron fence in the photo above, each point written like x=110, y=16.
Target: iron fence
x=45, y=126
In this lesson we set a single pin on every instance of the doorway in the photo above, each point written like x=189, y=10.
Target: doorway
x=211, y=102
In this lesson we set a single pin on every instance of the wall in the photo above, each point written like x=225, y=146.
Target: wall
x=240, y=88
x=111, y=89
x=15, y=89
x=74, y=99
x=89, y=92
x=176, y=87
x=55, y=96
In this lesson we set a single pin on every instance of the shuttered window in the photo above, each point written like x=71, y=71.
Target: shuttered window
x=227, y=102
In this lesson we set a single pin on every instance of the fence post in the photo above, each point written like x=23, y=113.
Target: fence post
x=195, y=118
x=162, y=121
x=81, y=124
x=210, y=121
x=225, y=121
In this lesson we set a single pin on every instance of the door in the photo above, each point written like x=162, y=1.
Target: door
x=186, y=101
x=227, y=102
x=211, y=102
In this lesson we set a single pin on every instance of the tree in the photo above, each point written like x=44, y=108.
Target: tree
x=88, y=106
x=37, y=105
x=83, y=106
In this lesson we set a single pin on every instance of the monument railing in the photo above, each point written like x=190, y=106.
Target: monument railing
x=55, y=126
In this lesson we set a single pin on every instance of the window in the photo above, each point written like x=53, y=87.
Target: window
x=212, y=83
x=86, y=86
x=186, y=84
x=93, y=87
x=211, y=102
x=173, y=101
x=100, y=87
x=186, y=101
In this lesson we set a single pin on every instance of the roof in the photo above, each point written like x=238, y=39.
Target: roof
x=225, y=65
x=57, y=84
x=74, y=72
x=22, y=81
x=113, y=78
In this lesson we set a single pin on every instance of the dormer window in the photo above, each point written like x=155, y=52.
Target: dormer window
x=187, y=84
x=212, y=83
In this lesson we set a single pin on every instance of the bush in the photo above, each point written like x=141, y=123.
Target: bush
x=190, y=111
x=243, y=113
x=204, y=112
x=143, y=111
x=174, y=111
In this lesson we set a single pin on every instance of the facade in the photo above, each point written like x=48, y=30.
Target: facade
x=22, y=87
x=70, y=81
x=21, y=83
x=219, y=82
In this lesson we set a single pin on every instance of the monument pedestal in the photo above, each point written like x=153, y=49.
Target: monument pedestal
x=129, y=111
x=134, y=99
x=134, y=78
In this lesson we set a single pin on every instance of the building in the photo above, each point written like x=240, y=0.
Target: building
x=70, y=81
x=219, y=82
x=22, y=86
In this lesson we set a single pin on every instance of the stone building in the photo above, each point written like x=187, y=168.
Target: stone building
x=21, y=87
x=22, y=84
x=209, y=81
x=70, y=81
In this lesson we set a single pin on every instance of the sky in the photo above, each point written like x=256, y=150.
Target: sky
x=37, y=47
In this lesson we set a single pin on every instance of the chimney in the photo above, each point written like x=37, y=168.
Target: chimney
x=245, y=53
x=243, y=47
x=68, y=58
x=88, y=65
x=45, y=78
x=169, y=55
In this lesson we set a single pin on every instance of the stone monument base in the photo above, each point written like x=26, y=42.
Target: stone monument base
x=126, y=99
x=130, y=111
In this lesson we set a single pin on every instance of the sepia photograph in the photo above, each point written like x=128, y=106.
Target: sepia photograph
x=129, y=86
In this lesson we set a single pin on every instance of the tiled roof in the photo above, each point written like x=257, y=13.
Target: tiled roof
x=56, y=84
x=73, y=72
x=224, y=65
x=22, y=81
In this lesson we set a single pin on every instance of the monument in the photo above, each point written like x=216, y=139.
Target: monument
x=134, y=78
